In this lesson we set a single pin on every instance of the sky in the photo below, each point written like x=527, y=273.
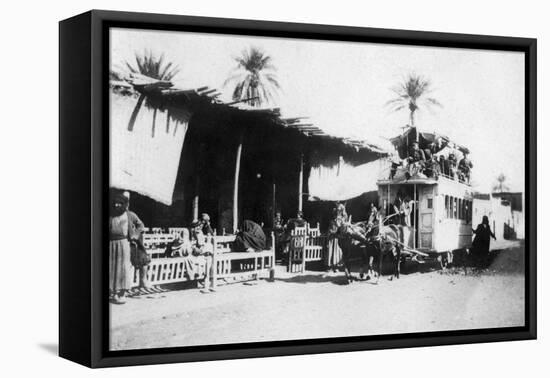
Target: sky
x=343, y=88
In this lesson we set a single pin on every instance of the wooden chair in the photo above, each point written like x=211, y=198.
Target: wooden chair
x=313, y=231
x=296, y=254
x=315, y=244
x=177, y=230
x=299, y=231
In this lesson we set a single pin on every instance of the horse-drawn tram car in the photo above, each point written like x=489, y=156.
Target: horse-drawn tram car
x=428, y=191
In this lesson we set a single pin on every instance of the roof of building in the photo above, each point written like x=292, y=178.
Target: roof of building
x=164, y=95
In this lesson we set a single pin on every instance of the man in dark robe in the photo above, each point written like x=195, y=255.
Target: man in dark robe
x=482, y=242
x=278, y=231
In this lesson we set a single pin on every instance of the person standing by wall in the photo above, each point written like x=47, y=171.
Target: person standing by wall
x=124, y=226
x=334, y=251
x=135, y=236
x=202, y=249
x=482, y=243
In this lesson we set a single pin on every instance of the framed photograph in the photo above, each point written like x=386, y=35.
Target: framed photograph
x=234, y=188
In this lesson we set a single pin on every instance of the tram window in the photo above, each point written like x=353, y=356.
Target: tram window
x=447, y=206
x=459, y=208
x=429, y=204
x=455, y=208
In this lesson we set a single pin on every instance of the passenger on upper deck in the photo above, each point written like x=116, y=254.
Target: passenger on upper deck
x=416, y=159
x=465, y=168
x=452, y=165
x=431, y=166
x=395, y=163
x=416, y=154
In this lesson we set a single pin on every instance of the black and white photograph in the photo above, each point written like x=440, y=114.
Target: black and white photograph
x=273, y=189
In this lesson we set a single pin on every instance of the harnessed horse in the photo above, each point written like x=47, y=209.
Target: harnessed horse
x=375, y=242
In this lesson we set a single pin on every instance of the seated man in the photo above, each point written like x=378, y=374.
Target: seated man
x=179, y=247
x=299, y=221
x=206, y=227
x=465, y=166
x=278, y=222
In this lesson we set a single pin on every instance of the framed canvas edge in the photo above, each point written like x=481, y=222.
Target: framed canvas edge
x=100, y=19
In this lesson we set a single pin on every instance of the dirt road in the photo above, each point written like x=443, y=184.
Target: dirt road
x=315, y=305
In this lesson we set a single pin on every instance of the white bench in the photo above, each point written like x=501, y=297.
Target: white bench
x=253, y=265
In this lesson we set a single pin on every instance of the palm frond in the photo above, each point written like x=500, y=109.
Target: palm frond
x=152, y=66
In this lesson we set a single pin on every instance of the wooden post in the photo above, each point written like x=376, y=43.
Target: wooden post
x=388, y=205
x=273, y=205
x=214, y=271
x=236, y=185
x=301, y=182
x=196, y=199
x=414, y=216
x=198, y=172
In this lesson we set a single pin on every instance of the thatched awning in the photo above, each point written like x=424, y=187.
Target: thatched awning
x=164, y=96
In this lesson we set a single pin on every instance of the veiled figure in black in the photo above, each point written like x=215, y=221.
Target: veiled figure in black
x=482, y=243
x=251, y=238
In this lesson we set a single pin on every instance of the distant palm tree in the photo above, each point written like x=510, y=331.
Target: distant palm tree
x=412, y=94
x=501, y=186
x=149, y=65
x=254, y=76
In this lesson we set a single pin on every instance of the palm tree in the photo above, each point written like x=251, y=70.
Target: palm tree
x=257, y=84
x=255, y=78
x=501, y=186
x=412, y=94
x=149, y=65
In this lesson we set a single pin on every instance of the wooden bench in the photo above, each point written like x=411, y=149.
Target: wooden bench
x=252, y=265
x=155, y=243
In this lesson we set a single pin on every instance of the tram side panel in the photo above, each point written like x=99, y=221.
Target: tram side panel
x=453, y=220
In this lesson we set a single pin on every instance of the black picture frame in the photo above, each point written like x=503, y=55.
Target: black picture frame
x=83, y=72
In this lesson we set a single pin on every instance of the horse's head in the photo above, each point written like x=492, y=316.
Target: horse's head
x=355, y=232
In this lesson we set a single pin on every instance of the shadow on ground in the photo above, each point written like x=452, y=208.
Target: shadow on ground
x=315, y=278
x=51, y=348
